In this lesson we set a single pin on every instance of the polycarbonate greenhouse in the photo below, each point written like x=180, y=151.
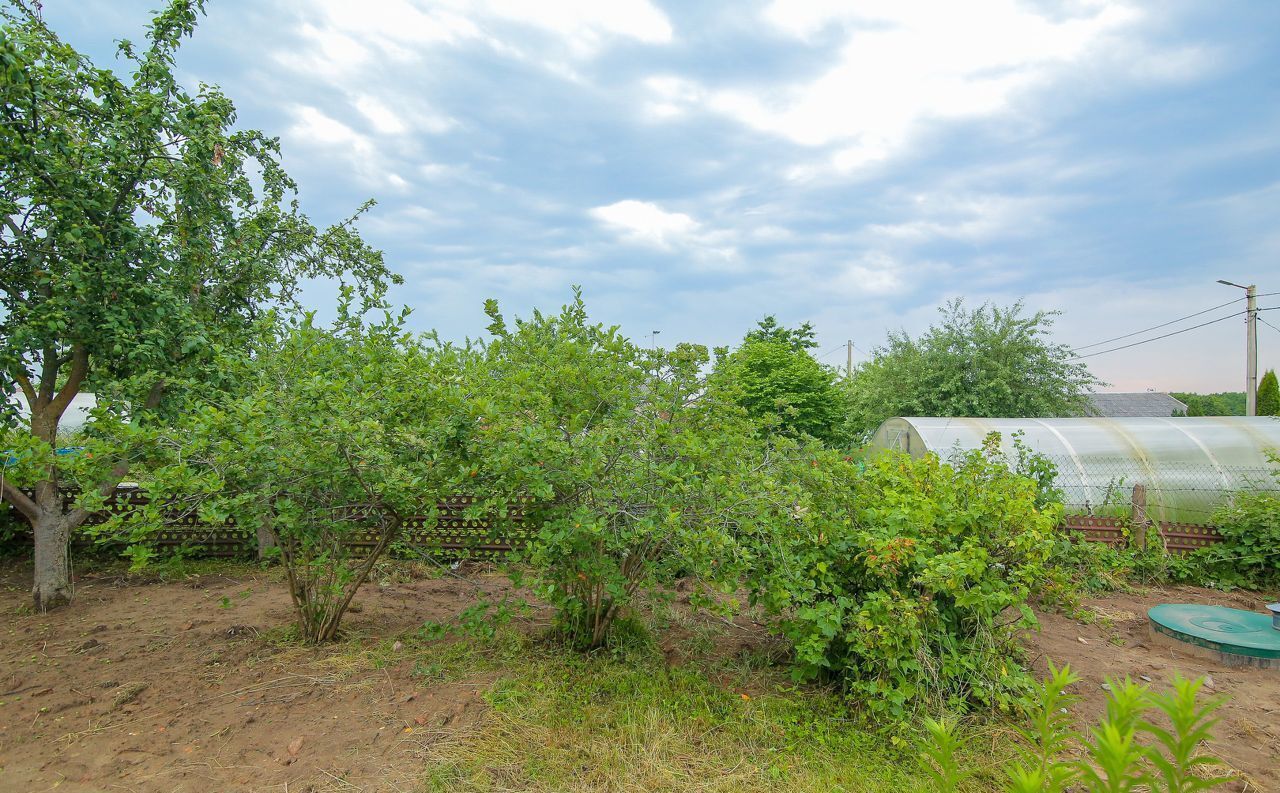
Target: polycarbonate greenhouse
x=1189, y=466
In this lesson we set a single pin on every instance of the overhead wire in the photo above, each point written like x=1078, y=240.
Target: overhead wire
x=830, y=351
x=1156, y=327
x=1163, y=336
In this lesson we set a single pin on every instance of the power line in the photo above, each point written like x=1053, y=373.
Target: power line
x=828, y=352
x=1268, y=324
x=1154, y=327
x=1158, y=338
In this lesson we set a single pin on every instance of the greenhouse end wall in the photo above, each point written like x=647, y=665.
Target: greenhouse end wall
x=1189, y=466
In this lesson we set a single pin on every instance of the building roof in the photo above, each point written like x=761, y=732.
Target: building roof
x=1146, y=403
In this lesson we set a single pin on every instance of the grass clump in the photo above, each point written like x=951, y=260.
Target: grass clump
x=559, y=721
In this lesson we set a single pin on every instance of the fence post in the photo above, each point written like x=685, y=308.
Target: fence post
x=1138, y=518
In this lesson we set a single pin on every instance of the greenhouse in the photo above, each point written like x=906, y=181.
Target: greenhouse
x=1189, y=466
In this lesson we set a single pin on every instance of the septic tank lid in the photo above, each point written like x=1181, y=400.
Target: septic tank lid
x=1219, y=628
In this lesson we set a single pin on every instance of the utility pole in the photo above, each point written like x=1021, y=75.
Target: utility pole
x=1250, y=346
x=1251, y=352
x=848, y=365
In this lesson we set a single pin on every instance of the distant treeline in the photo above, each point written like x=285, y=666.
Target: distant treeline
x=1227, y=403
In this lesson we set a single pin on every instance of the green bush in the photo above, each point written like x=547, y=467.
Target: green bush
x=1126, y=751
x=636, y=474
x=1249, y=554
x=907, y=582
x=338, y=436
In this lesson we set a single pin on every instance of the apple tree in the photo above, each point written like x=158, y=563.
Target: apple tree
x=142, y=237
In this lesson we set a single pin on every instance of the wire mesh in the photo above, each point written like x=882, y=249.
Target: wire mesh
x=1176, y=492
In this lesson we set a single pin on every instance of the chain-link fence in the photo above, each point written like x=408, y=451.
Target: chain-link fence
x=1175, y=492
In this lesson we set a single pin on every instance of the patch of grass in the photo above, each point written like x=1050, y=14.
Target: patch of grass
x=565, y=722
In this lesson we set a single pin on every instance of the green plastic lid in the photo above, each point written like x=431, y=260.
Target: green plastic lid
x=1219, y=628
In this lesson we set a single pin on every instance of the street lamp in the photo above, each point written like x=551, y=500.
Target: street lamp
x=653, y=339
x=1250, y=346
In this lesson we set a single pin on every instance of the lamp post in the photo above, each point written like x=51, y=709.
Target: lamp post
x=1250, y=347
x=653, y=339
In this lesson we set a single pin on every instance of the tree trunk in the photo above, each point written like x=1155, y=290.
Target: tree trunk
x=53, y=561
x=266, y=534
x=266, y=541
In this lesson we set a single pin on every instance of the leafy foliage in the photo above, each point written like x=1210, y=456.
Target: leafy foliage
x=898, y=580
x=635, y=473
x=1116, y=759
x=985, y=362
x=1225, y=403
x=340, y=435
x=1269, y=394
x=142, y=237
x=1249, y=554
x=773, y=376
x=768, y=330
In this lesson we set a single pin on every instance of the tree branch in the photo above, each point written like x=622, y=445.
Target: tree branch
x=20, y=501
x=79, y=368
x=24, y=382
x=17, y=230
x=48, y=372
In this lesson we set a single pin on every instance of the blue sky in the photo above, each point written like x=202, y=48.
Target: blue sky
x=850, y=163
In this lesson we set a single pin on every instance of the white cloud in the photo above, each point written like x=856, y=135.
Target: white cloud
x=968, y=217
x=382, y=117
x=875, y=274
x=313, y=129
x=343, y=33
x=670, y=96
x=645, y=222
x=908, y=62
x=583, y=24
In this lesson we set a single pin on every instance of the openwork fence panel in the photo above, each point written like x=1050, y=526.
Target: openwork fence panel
x=1123, y=533
x=451, y=533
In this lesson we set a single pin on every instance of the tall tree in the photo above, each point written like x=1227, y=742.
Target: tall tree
x=768, y=329
x=1269, y=395
x=986, y=362
x=773, y=375
x=142, y=238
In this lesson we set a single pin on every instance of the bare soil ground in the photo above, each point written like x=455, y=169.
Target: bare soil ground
x=1117, y=643
x=178, y=686
x=148, y=685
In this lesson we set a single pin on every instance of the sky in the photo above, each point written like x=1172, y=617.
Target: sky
x=849, y=163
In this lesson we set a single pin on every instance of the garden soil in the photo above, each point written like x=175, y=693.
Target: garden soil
x=187, y=685
x=1115, y=642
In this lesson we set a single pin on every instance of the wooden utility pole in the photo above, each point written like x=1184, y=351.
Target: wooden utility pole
x=848, y=365
x=1251, y=352
x=1250, y=346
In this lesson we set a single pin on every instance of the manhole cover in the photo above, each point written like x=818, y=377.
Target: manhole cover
x=1230, y=631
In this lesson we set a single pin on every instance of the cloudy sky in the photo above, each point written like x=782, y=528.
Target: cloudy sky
x=852, y=163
